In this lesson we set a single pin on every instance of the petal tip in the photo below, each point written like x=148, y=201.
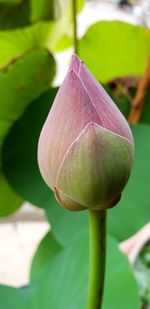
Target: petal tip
x=75, y=63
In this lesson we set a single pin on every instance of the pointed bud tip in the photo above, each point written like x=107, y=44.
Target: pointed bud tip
x=75, y=63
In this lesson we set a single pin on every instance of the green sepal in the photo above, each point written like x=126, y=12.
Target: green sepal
x=95, y=168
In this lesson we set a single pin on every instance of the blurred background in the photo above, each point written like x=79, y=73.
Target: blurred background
x=36, y=44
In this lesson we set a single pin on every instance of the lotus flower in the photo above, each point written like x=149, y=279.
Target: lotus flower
x=85, y=150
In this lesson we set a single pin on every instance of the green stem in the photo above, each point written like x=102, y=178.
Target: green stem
x=74, y=12
x=97, y=222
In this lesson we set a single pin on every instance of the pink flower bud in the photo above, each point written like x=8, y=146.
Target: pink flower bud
x=85, y=150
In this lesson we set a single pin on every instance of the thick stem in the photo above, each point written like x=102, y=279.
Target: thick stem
x=75, y=38
x=97, y=223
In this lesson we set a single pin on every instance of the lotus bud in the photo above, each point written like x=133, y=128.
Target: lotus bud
x=85, y=150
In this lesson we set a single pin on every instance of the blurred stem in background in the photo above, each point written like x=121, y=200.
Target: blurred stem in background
x=74, y=11
x=138, y=101
x=97, y=225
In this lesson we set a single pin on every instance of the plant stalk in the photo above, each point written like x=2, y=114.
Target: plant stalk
x=75, y=37
x=97, y=226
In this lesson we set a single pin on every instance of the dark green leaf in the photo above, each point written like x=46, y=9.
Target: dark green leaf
x=145, y=115
x=14, y=14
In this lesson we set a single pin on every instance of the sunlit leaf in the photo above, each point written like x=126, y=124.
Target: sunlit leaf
x=113, y=49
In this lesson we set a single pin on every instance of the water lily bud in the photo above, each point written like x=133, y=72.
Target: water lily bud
x=85, y=150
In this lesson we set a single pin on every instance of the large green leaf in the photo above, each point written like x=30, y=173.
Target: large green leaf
x=48, y=248
x=34, y=115
x=69, y=269
x=21, y=169
x=61, y=280
x=23, y=81
x=113, y=49
x=20, y=83
x=15, y=43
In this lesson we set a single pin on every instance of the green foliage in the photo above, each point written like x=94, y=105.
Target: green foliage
x=48, y=24
x=11, y=298
x=16, y=43
x=26, y=79
x=65, y=274
x=34, y=29
x=14, y=14
x=30, y=125
x=20, y=13
x=117, y=53
x=54, y=9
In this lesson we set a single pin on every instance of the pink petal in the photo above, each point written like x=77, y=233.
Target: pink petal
x=111, y=117
x=72, y=110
